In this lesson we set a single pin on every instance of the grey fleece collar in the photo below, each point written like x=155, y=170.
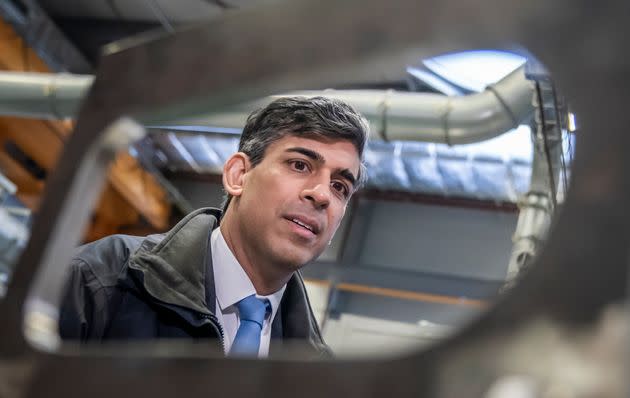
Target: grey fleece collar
x=174, y=270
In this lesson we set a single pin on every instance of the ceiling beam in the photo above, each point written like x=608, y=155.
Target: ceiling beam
x=129, y=188
x=112, y=213
x=141, y=190
x=15, y=54
x=42, y=141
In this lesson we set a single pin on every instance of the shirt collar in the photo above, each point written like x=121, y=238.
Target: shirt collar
x=231, y=282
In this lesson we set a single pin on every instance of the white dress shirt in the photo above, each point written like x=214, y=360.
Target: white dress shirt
x=231, y=285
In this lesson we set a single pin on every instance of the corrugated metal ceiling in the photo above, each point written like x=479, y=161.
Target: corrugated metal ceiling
x=497, y=169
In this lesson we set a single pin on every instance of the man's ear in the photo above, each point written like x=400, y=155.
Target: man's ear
x=234, y=171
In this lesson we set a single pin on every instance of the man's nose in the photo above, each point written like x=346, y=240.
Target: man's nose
x=319, y=195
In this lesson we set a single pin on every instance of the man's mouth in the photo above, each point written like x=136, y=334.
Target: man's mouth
x=298, y=222
x=305, y=223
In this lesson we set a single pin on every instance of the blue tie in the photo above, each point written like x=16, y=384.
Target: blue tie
x=252, y=312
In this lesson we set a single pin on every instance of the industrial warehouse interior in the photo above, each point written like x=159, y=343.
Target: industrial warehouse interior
x=469, y=162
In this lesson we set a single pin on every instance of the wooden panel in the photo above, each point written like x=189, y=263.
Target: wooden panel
x=130, y=189
x=140, y=189
x=111, y=213
x=15, y=54
x=34, y=138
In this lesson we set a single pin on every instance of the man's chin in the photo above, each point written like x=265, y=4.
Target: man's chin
x=295, y=260
x=294, y=264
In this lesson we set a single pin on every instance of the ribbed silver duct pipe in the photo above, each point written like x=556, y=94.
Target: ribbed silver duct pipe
x=392, y=115
x=538, y=205
x=425, y=117
x=535, y=211
x=42, y=95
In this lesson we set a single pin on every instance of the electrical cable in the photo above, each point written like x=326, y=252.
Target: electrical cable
x=543, y=124
x=563, y=165
x=570, y=138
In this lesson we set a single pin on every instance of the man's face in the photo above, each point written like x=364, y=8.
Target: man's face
x=292, y=202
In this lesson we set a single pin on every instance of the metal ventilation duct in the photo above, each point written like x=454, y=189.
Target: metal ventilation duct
x=425, y=117
x=42, y=95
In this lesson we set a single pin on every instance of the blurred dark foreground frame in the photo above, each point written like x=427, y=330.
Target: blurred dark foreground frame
x=581, y=273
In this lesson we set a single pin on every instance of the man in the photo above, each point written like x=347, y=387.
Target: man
x=299, y=161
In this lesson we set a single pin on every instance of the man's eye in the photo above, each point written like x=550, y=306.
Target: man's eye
x=299, y=165
x=340, y=188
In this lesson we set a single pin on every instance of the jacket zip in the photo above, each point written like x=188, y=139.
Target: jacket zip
x=214, y=322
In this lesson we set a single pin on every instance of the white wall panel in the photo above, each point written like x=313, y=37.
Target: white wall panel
x=467, y=243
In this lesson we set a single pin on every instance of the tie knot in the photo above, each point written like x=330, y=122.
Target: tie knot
x=253, y=309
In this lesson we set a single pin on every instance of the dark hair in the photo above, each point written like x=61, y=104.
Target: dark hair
x=316, y=118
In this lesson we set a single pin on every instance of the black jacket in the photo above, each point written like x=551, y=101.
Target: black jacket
x=162, y=286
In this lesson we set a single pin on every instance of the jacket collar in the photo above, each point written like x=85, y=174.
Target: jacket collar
x=174, y=270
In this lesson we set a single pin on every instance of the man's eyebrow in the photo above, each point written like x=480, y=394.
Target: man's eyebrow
x=316, y=156
x=308, y=153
